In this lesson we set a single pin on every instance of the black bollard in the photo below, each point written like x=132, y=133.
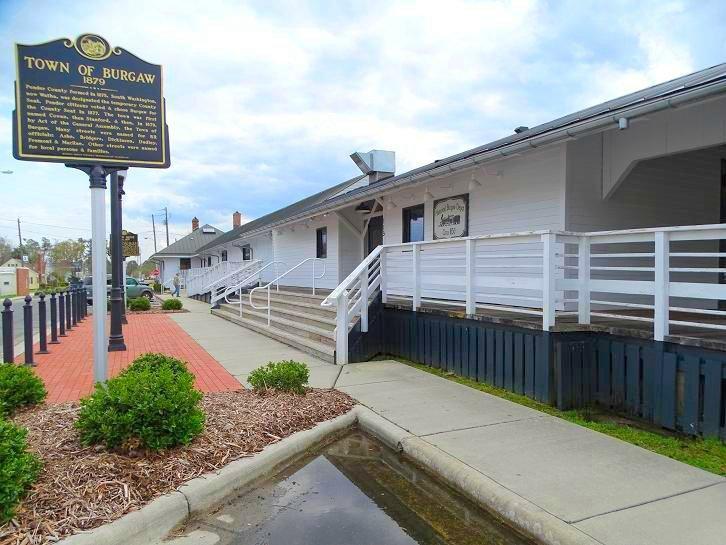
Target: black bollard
x=69, y=323
x=8, y=339
x=42, y=325
x=53, y=319
x=61, y=314
x=74, y=307
x=83, y=303
x=28, y=329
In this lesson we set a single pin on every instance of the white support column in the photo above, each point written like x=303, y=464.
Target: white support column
x=341, y=331
x=416, y=277
x=583, y=275
x=548, y=281
x=98, y=263
x=662, y=286
x=384, y=280
x=470, y=276
x=364, y=300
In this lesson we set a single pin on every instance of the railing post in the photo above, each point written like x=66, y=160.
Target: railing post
x=470, y=277
x=583, y=276
x=314, y=262
x=28, y=329
x=364, y=300
x=416, y=277
x=8, y=337
x=61, y=314
x=341, y=330
x=53, y=318
x=661, y=313
x=268, y=306
x=548, y=281
x=384, y=279
x=42, y=325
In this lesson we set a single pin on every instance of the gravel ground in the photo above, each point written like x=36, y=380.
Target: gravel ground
x=85, y=487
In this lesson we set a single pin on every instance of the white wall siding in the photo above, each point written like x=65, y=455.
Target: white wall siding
x=529, y=195
x=297, y=242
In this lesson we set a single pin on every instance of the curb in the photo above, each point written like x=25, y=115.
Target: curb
x=154, y=521
x=515, y=510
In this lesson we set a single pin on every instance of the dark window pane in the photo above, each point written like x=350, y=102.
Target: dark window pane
x=246, y=253
x=413, y=224
x=185, y=263
x=224, y=255
x=322, y=242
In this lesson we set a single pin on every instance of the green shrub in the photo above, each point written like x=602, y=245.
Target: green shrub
x=172, y=304
x=151, y=406
x=139, y=303
x=156, y=286
x=152, y=361
x=288, y=376
x=19, y=468
x=19, y=385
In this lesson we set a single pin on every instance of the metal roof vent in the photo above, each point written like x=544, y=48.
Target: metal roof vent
x=377, y=164
x=521, y=128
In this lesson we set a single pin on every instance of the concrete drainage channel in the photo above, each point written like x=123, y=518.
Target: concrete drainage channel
x=157, y=519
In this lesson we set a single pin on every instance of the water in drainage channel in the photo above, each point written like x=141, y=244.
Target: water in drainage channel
x=355, y=491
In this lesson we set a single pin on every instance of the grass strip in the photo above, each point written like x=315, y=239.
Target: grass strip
x=707, y=454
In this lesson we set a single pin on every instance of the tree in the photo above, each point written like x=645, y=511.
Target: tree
x=6, y=250
x=69, y=255
x=147, y=267
x=132, y=267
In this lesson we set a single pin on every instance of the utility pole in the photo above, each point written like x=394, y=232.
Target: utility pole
x=166, y=222
x=153, y=227
x=20, y=238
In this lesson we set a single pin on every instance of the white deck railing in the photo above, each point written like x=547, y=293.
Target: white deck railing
x=663, y=276
x=237, y=280
x=199, y=279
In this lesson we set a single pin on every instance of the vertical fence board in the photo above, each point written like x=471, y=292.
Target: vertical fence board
x=604, y=372
x=691, y=398
x=473, y=355
x=481, y=354
x=508, y=360
x=519, y=363
x=529, y=365
x=618, y=374
x=491, y=351
x=712, y=389
x=578, y=375
x=632, y=377
x=668, y=391
x=542, y=389
x=499, y=365
x=649, y=381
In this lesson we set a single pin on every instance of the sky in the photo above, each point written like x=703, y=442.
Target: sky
x=267, y=100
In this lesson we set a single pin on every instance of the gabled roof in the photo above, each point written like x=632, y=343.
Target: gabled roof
x=273, y=217
x=693, y=86
x=189, y=245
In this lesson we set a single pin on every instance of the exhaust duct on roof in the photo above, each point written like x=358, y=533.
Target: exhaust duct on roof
x=377, y=164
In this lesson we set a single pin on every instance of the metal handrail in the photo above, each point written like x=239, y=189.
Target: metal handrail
x=352, y=277
x=227, y=276
x=239, y=285
x=277, y=281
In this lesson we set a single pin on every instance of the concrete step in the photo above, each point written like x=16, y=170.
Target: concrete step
x=297, y=304
x=295, y=326
x=293, y=313
x=287, y=295
x=324, y=351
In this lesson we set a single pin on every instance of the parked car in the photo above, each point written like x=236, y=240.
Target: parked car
x=134, y=288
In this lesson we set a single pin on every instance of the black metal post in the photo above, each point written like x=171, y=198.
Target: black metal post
x=61, y=313
x=28, y=329
x=8, y=338
x=116, y=335
x=74, y=307
x=122, y=257
x=82, y=303
x=69, y=323
x=85, y=301
x=53, y=319
x=42, y=325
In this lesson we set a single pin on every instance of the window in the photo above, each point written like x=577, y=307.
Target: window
x=413, y=223
x=131, y=282
x=185, y=263
x=209, y=261
x=321, y=243
x=224, y=255
x=246, y=253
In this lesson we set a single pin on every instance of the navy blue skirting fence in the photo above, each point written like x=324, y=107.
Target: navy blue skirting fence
x=677, y=387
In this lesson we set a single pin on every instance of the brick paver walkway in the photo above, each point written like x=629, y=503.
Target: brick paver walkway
x=68, y=370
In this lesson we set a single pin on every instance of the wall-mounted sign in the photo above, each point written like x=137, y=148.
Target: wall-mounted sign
x=451, y=217
x=85, y=102
x=130, y=243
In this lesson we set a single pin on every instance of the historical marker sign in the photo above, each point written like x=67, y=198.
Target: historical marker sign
x=130, y=243
x=85, y=102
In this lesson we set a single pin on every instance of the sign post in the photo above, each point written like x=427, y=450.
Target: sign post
x=96, y=108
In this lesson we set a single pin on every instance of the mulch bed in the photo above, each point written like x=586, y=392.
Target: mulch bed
x=85, y=487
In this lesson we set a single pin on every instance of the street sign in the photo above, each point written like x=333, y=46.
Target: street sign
x=25, y=259
x=155, y=272
x=130, y=243
x=84, y=102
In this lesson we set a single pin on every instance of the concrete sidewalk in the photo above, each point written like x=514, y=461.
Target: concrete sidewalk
x=611, y=491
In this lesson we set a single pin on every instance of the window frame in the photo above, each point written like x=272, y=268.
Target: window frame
x=321, y=245
x=406, y=220
x=186, y=260
x=246, y=250
x=223, y=255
